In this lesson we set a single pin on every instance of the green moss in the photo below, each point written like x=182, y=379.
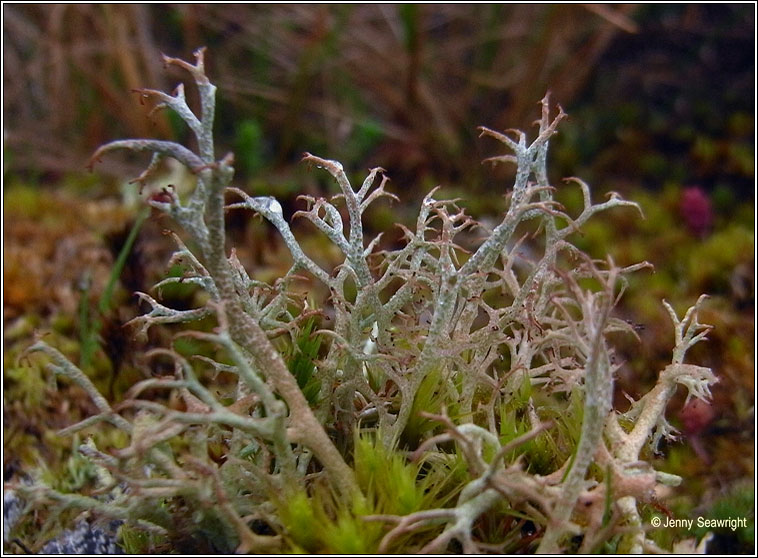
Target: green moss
x=351, y=535
x=302, y=355
x=21, y=200
x=317, y=524
x=299, y=518
x=386, y=478
x=543, y=453
x=430, y=397
x=710, y=264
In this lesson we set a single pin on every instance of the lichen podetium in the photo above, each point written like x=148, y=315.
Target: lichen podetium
x=482, y=366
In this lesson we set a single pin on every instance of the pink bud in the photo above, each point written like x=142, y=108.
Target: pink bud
x=696, y=415
x=695, y=208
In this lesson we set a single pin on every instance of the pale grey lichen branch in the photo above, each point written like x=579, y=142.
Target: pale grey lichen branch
x=648, y=412
x=160, y=314
x=271, y=209
x=203, y=219
x=598, y=401
x=207, y=101
x=480, y=317
x=164, y=148
x=61, y=366
x=688, y=330
x=176, y=102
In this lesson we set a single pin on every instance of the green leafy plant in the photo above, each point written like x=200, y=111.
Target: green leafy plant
x=460, y=358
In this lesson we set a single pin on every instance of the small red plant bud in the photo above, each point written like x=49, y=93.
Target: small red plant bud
x=695, y=208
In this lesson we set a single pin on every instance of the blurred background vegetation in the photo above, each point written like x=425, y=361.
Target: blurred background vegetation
x=661, y=99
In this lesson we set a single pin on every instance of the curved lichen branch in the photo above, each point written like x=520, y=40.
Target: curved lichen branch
x=197, y=70
x=61, y=366
x=207, y=101
x=160, y=314
x=176, y=102
x=335, y=168
x=356, y=203
x=330, y=223
x=271, y=209
x=590, y=209
x=165, y=148
x=502, y=138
